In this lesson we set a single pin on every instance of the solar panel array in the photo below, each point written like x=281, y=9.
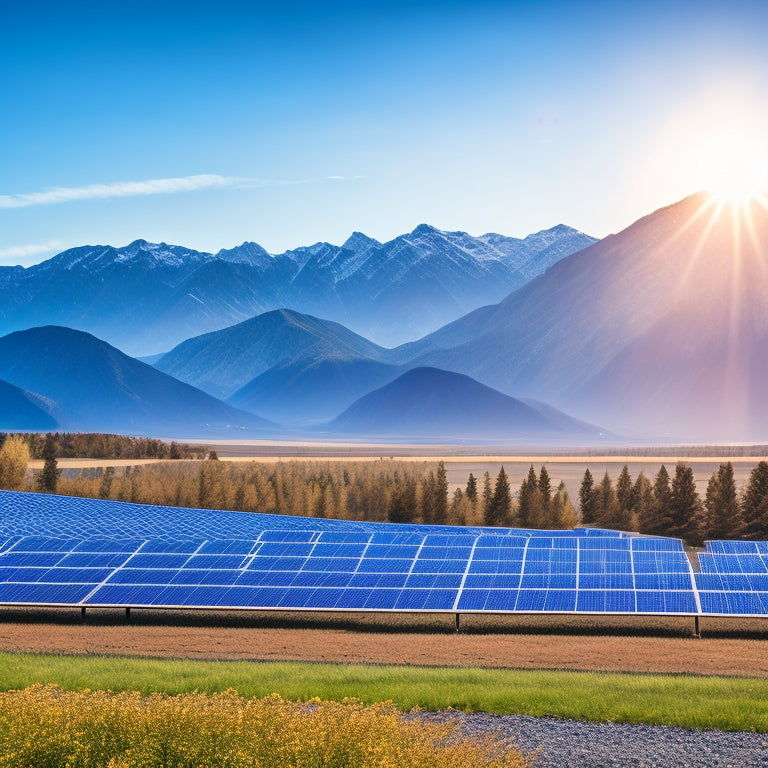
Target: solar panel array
x=734, y=578
x=32, y=514
x=355, y=570
x=64, y=551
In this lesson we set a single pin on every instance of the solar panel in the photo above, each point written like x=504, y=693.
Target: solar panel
x=62, y=551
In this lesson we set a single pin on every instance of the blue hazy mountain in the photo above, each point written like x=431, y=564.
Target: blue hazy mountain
x=222, y=362
x=661, y=329
x=95, y=387
x=311, y=390
x=146, y=298
x=436, y=404
x=24, y=411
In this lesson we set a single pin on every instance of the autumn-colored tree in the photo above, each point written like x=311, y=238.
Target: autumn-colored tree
x=14, y=457
x=563, y=513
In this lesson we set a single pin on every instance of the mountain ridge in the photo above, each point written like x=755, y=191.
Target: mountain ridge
x=148, y=297
x=92, y=386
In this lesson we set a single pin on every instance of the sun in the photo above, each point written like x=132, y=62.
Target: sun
x=734, y=167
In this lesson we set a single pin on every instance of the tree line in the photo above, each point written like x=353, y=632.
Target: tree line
x=671, y=506
x=87, y=445
x=417, y=492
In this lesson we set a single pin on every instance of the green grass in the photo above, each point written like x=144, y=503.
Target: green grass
x=727, y=703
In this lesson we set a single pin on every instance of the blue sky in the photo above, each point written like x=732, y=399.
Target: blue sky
x=207, y=124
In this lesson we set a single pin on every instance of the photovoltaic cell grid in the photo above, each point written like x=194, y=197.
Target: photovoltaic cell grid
x=32, y=514
x=66, y=551
x=355, y=571
x=734, y=578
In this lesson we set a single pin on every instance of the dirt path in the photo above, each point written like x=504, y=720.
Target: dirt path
x=524, y=647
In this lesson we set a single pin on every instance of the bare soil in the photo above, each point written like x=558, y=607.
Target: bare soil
x=727, y=647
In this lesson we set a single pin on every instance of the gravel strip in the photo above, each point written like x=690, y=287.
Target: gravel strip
x=574, y=744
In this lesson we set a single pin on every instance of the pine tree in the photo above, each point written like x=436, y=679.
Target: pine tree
x=642, y=494
x=49, y=477
x=500, y=510
x=402, y=503
x=471, y=492
x=608, y=512
x=428, y=498
x=545, y=495
x=685, y=507
x=441, y=496
x=530, y=510
x=658, y=520
x=587, y=499
x=754, y=503
x=624, y=489
x=487, y=494
x=724, y=519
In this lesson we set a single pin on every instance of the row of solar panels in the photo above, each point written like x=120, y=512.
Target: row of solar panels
x=33, y=514
x=92, y=552
x=336, y=570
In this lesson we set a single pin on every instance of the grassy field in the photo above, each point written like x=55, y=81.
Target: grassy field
x=735, y=704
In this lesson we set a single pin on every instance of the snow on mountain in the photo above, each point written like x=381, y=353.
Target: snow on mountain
x=147, y=297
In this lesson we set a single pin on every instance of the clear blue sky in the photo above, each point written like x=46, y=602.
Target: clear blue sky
x=211, y=123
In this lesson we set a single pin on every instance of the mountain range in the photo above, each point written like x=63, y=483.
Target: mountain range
x=146, y=298
x=658, y=332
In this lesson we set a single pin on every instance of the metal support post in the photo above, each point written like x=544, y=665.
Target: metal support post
x=127, y=615
x=458, y=622
x=696, y=632
x=82, y=614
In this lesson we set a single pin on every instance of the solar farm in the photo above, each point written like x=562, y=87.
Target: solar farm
x=72, y=552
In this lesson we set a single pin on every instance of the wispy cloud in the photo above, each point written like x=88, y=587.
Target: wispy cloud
x=128, y=189
x=32, y=249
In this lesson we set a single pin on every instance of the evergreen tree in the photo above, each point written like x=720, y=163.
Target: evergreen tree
x=658, y=520
x=723, y=514
x=530, y=509
x=624, y=490
x=441, y=496
x=428, y=498
x=685, y=507
x=402, y=503
x=500, y=511
x=487, y=494
x=588, y=499
x=545, y=492
x=49, y=477
x=471, y=492
x=642, y=495
x=754, y=503
x=608, y=512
